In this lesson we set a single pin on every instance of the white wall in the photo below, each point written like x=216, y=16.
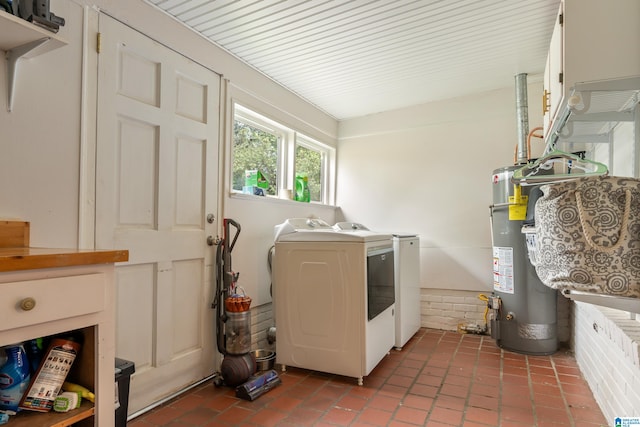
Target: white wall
x=427, y=169
x=40, y=139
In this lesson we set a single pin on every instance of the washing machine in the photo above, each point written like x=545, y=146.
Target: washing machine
x=406, y=248
x=334, y=297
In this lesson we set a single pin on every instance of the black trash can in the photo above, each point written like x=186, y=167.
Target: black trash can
x=124, y=369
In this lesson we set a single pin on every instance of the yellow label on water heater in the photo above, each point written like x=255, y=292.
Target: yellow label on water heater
x=518, y=208
x=518, y=205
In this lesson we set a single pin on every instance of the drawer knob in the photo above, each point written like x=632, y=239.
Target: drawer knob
x=27, y=304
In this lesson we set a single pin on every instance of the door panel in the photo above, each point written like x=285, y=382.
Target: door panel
x=137, y=153
x=156, y=181
x=135, y=283
x=189, y=173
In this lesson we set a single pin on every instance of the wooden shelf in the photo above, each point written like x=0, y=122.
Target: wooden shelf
x=52, y=419
x=15, y=32
x=15, y=259
x=15, y=253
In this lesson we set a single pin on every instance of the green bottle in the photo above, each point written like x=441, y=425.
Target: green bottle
x=302, y=188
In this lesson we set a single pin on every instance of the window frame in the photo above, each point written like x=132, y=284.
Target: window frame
x=255, y=120
x=288, y=140
x=313, y=145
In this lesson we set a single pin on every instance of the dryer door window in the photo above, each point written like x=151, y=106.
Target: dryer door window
x=380, y=281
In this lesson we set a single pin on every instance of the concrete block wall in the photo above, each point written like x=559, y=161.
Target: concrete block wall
x=605, y=343
x=261, y=320
x=440, y=309
x=446, y=309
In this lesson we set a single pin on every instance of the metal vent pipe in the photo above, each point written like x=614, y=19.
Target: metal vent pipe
x=522, y=114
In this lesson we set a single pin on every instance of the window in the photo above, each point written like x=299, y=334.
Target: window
x=255, y=148
x=308, y=162
x=279, y=154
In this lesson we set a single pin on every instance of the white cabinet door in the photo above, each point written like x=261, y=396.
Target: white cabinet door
x=601, y=40
x=553, y=77
x=156, y=182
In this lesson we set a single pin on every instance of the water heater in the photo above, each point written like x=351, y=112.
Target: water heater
x=523, y=309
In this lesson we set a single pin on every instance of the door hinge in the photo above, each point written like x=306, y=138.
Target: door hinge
x=560, y=77
x=561, y=19
x=99, y=42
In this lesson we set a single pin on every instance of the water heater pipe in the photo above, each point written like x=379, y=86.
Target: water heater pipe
x=522, y=115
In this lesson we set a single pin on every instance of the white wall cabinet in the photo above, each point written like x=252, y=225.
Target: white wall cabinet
x=592, y=40
x=72, y=290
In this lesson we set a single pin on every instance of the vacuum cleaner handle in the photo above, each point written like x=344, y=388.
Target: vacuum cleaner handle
x=228, y=221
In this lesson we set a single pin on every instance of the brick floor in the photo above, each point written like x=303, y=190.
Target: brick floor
x=439, y=378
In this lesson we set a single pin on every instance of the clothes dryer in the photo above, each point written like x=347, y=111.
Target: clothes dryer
x=334, y=297
x=406, y=248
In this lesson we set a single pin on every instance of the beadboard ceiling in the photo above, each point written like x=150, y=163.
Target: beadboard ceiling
x=357, y=57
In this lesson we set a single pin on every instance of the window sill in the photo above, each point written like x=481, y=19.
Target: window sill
x=276, y=200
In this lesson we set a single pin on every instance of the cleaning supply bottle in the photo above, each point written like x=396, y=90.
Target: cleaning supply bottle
x=302, y=188
x=34, y=350
x=53, y=371
x=14, y=378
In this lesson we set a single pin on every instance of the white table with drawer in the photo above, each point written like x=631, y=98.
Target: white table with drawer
x=51, y=291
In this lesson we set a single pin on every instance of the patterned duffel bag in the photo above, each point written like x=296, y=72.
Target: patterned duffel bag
x=588, y=235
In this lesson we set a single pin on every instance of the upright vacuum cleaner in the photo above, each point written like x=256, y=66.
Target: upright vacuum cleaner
x=233, y=318
x=233, y=328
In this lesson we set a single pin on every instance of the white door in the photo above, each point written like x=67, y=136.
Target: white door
x=156, y=184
